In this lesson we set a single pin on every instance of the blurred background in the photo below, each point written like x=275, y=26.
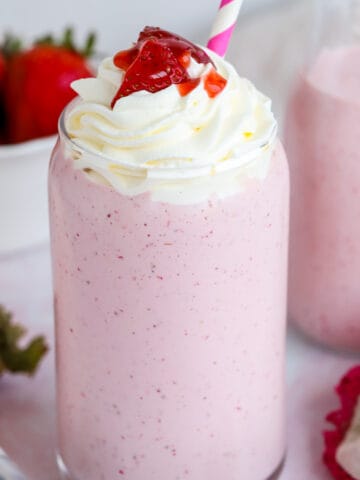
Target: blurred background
x=119, y=20
x=268, y=45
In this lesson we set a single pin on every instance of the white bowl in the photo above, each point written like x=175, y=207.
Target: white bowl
x=23, y=194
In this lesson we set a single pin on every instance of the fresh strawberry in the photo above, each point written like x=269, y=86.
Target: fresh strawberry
x=160, y=59
x=2, y=97
x=2, y=70
x=37, y=86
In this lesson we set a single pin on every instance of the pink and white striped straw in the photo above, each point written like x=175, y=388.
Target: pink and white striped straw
x=224, y=25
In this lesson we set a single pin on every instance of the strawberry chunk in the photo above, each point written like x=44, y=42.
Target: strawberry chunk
x=186, y=87
x=155, y=68
x=214, y=83
x=125, y=58
x=160, y=59
x=185, y=59
x=177, y=44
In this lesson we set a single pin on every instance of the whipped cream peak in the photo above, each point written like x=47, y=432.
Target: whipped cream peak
x=169, y=137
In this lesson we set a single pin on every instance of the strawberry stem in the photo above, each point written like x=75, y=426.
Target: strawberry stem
x=68, y=42
x=45, y=40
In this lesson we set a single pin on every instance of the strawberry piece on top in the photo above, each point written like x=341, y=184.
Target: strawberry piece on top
x=160, y=59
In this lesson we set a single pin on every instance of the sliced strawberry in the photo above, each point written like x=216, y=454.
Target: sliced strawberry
x=185, y=59
x=160, y=59
x=155, y=68
x=177, y=44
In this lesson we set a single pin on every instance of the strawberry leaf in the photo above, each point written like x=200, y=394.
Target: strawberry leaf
x=89, y=48
x=47, y=39
x=13, y=358
x=67, y=41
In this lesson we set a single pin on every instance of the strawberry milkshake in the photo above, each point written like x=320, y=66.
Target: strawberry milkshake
x=169, y=223
x=323, y=127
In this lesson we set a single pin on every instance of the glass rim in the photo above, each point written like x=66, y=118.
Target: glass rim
x=163, y=172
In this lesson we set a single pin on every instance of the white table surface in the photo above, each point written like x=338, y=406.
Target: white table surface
x=27, y=410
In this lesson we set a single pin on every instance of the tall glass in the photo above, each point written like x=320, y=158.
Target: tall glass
x=170, y=327
x=322, y=132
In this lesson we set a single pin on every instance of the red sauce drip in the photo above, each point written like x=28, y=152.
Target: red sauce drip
x=186, y=87
x=214, y=83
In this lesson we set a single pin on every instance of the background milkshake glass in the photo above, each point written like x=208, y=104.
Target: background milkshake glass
x=169, y=223
x=322, y=141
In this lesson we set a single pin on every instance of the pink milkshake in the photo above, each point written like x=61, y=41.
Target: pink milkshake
x=322, y=132
x=170, y=283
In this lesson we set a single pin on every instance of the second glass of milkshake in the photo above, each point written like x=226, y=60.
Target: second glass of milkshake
x=322, y=133
x=169, y=225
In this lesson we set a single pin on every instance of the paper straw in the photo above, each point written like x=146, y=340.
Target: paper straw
x=224, y=25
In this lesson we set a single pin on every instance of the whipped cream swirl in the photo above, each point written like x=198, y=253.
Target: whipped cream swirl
x=164, y=136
